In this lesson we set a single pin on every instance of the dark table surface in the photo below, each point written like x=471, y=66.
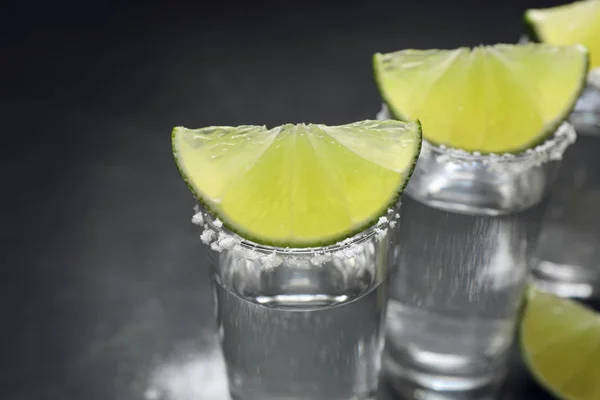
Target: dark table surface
x=105, y=288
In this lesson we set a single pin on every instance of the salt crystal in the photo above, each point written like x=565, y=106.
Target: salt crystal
x=380, y=233
x=392, y=224
x=382, y=220
x=341, y=254
x=272, y=261
x=319, y=259
x=217, y=222
x=207, y=236
x=225, y=241
x=198, y=219
x=356, y=250
x=252, y=255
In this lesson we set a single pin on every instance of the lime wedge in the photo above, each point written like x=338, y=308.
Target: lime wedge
x=574, y=23
x=298, y=185
x=492, y=99
x=560, y=340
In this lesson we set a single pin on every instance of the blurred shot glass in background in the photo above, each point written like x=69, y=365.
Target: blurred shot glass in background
x=567, y=259
x=469, y=225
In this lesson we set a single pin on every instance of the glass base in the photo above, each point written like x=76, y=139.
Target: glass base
x=560, y=279
x=414, y=384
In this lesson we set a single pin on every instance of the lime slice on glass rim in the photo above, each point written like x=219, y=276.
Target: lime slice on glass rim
x=573, y=23
x=560, y=342
x=303, y=185
x=488, y=99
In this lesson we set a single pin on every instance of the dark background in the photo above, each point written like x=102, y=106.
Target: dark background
x=104, y=292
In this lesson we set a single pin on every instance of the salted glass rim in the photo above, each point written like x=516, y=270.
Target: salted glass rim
x=551, y=148
x=546, y=151
x=378, y=228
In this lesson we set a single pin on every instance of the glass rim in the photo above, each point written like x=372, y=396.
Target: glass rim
x=552, y=148
x=372, y=231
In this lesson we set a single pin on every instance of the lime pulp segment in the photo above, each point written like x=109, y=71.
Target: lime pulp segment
x=573, y=23
x=560, y=340
x=489, y=99
x=299, y=185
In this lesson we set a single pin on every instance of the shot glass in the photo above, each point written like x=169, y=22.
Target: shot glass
x=302, y=323
x=470, y=223
x=567, y=259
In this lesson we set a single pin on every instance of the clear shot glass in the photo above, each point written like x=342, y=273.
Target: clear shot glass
x=469, y=225
x=567, y=258
x=302, y=323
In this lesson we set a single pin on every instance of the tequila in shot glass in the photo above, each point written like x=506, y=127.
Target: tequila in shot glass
x=302, y=323
x=469, y=225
